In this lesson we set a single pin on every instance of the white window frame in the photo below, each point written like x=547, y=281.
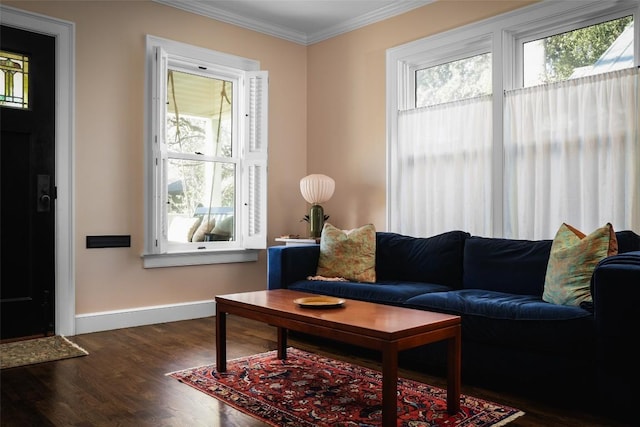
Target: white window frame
x=249, y=147
x=506, y=35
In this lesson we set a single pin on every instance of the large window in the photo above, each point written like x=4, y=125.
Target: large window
x=512, y=126
x=206, y=156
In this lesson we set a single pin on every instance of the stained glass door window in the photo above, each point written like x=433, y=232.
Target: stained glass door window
x=14, y=80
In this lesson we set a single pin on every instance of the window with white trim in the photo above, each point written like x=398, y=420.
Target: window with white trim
x=205, y=156
x=553, y=138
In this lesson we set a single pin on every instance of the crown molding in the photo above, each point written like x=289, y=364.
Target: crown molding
x=211, y=11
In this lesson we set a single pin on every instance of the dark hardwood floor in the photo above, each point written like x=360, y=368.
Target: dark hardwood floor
x=122, y=381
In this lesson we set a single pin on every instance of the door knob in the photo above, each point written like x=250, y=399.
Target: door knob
x=44, y=199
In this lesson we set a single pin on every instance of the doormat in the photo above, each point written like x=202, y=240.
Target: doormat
x=308, y=390
x=38, y=350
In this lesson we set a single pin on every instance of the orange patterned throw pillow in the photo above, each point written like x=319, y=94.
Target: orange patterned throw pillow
x=348, y=254
x=573, y=259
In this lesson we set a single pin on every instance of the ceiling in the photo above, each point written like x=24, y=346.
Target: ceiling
x=300, y=21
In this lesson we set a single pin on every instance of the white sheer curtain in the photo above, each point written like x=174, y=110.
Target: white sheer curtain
x=441, y=169
x=571, y=154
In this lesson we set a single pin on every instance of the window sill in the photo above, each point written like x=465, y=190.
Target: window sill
x=179, y=259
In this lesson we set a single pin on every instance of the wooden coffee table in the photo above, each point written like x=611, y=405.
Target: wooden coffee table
x=386, y=328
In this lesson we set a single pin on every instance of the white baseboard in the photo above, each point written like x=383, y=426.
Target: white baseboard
x=108, y=320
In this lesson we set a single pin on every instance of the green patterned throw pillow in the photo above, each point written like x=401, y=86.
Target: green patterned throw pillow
x=573, y=258
x=348, y=254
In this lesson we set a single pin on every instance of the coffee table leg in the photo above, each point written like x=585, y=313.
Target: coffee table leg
x=282, y=343
x=389, y=386
x=453, y=373
x=221, y=340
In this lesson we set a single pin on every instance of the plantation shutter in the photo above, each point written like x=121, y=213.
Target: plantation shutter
x=254, y=178
x=158, y=117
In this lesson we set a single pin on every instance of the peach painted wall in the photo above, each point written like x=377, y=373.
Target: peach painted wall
x=326, y=115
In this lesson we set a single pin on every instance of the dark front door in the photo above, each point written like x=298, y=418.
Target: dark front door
x=27, y=187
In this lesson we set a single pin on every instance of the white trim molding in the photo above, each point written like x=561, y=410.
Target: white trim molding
x=128, y=318
x=210, y=10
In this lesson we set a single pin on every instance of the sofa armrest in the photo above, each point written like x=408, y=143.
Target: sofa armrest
x=288, y=264
x=616, y=293
x=615, y=287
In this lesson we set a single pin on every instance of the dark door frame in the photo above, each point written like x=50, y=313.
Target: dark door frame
x=64, y=33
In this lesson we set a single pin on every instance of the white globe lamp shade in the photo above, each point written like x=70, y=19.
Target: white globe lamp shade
x=317, y=188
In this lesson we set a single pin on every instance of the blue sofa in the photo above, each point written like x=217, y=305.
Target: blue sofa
x=512, y=339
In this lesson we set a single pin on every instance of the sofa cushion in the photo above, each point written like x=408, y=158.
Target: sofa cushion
x=573, y=258
x=436, y=259
x=385, y=292
x=506, y=265
x=628, y=241
x=348, y=254
x=495, y=305
x=513, y=321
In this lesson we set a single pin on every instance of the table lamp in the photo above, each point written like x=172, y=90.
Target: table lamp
x=316, y=189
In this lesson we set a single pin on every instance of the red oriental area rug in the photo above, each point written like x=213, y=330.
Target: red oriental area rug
x=310, y=390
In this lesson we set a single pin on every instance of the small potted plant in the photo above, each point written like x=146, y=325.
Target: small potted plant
x=315, y=225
